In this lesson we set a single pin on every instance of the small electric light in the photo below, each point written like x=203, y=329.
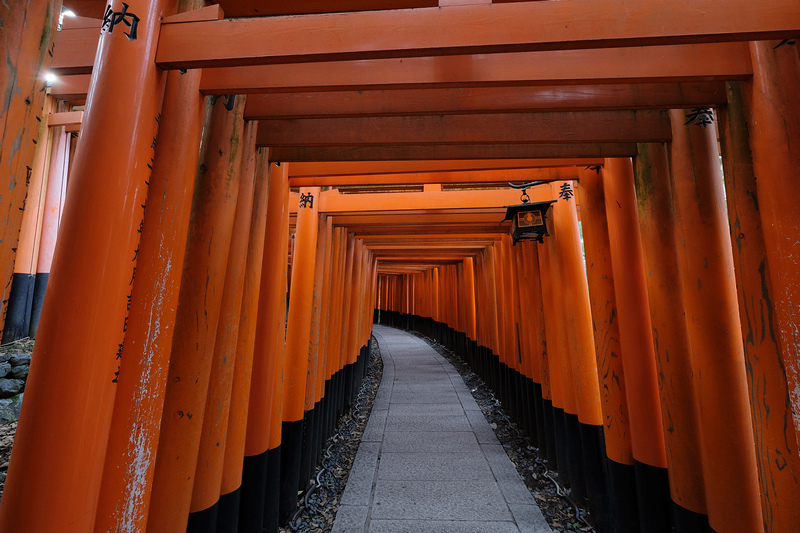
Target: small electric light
x=68, y=13
x=50, y=78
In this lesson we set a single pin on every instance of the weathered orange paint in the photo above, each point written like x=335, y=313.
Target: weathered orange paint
x=138, y=405
x=248, y=322
x=770, y=401
x=212, y=439
x=190, y=366
x=55, y=475
x=636, y=337
x=712, y=318
x=774, y=123
x=616, y=426
x=27, y=33
x=263, y=432
x=676, y=376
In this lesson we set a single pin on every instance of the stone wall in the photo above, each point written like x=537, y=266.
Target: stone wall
x=13, y=373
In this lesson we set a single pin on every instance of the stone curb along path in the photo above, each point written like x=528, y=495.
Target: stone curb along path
x=428, y=460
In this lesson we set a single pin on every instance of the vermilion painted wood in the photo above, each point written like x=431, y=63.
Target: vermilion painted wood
x=764, y=356
x=600, y=277
x=434, y=151
x=714, y=329
x=636, y=337
x=139, y=400
x=477, y=176
x=425, y=101
x=198, y=315
x=212, y=441
x=354, y=168
x=673, y=63
x=489, y=28
x=520, y=128
x=679, y=399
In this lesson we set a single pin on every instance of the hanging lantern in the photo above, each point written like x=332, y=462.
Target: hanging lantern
x=528, y=220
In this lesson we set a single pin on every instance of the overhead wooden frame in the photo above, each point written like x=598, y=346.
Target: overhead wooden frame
x=496, y=128
x=473, y=29
x=436, y=151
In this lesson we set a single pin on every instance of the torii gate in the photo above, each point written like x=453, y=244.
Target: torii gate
x=590, y=79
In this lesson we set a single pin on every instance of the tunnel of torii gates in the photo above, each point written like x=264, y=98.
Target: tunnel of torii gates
x=353, y=157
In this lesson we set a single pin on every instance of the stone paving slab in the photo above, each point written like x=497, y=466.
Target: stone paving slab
x=415, y=526
x=428, y=461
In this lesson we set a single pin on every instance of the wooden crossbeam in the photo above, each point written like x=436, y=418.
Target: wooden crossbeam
x=469, y=29
x=485, y=100
x=465, y=176
x=456, y=202
x=545, y=127
x=357, y=168
x=672, y=63
x=437, y=151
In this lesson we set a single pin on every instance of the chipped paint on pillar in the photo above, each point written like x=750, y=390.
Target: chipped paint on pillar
x=774, y=125
x=775, y=436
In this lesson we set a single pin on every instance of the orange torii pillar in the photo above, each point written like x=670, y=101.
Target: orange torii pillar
x=712, y=318
x=770, y=399
x=312, y=408
x=298, y=332
x=494, y=300
x=551, y=384
x=671, y=342
x=636, y=342
x=333, y=332
x=353, y=338
x=557, y=359
x=567, y=423
x=144, y=361
x=532, y=330
x=347, y=303
x=471, y=331
x=205, y=265
x=323, y=316
x=55, y=475
x=230, y=492
x=338, y=359
x=258, y=507
x=204, y=506
x=26, y=46
x=525, y=404
x=509, y=329
x=774, y=122
x=20, y=297
x=51, y=221
x=621, y=496
x=578, y=322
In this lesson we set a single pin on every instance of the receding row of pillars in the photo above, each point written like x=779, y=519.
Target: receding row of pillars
x=166, y=374
x=676, y=338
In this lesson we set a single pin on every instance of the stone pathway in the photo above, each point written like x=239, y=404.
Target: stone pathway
x=428, y=460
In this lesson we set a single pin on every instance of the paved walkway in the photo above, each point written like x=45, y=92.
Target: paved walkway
x=428, y=461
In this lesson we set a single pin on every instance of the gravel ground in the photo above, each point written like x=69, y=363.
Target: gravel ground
x=318, y=506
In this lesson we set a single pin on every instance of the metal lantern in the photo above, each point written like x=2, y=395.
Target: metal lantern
x=528, y=220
